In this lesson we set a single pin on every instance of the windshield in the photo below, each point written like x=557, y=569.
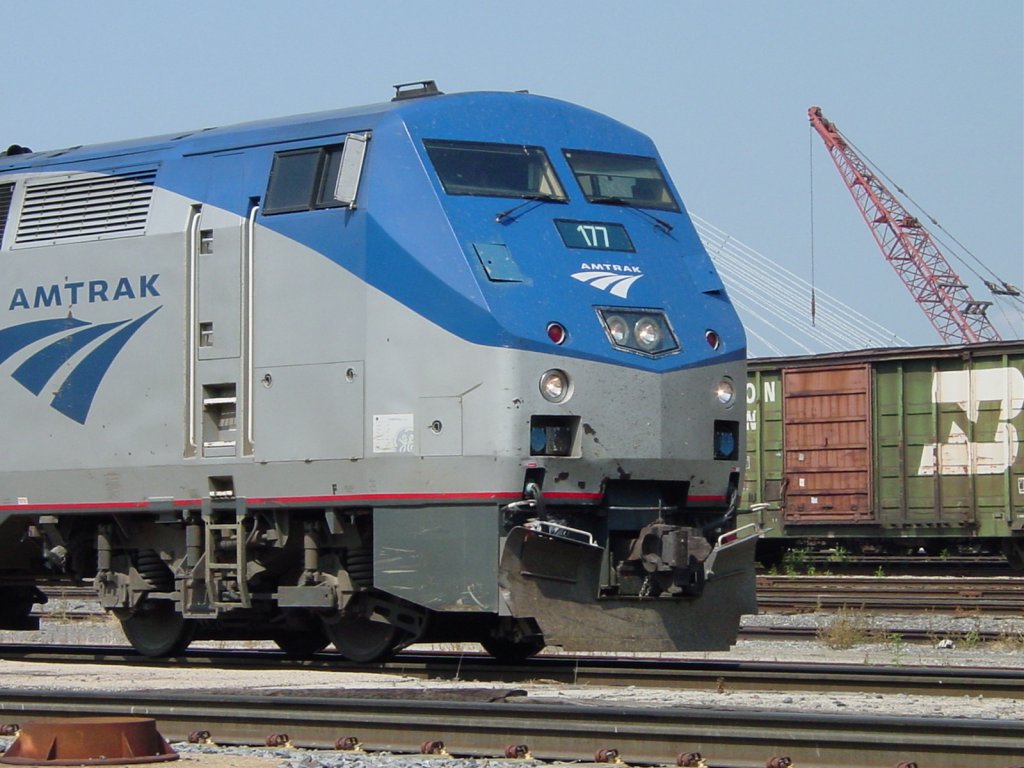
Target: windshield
x=621, y=179
x=494, y=170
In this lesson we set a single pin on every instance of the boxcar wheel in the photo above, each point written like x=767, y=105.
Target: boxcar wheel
x=156, y=629
x=364, y=641
x=512, y=651
x=1013, y=550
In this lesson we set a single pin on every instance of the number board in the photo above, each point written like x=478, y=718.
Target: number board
x=595, y=235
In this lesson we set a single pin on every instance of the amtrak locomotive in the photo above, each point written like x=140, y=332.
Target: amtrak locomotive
x=446, y=368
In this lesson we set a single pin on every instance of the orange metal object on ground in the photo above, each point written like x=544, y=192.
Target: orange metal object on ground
x=89, y=741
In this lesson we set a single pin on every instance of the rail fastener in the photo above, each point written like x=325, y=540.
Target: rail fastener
x=433, y=747
x=691, y=760
x=609, y=755
x=348, y=744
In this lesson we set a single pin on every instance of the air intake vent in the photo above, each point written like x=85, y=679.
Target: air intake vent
x=85, y=207
x=6, y=193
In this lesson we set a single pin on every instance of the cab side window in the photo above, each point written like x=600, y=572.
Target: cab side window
x=292, y=181
x=316, y=177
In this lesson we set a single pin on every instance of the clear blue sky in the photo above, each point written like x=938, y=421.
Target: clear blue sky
x=931, y=90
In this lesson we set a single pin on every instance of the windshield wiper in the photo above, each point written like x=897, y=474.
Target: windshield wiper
x=661, y=224
x=540, y=197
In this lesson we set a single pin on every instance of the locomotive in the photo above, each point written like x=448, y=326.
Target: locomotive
x=451, y=367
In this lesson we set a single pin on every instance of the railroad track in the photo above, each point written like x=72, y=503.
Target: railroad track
x=727, y=738
x=749, y=632
x=718, y=676
x=910, y=565
x=1003, y=596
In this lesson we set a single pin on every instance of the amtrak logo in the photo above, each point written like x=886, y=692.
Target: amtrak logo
x=75, y=394
x=614, y=278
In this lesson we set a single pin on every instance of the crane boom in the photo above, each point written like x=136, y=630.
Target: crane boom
x=908, y=247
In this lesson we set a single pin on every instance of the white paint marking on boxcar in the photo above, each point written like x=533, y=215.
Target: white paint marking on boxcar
x=957, y=455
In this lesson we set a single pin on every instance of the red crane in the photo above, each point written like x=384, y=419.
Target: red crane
x=908, y=247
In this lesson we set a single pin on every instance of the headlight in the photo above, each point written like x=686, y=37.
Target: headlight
x=617, y=329
x=554, y=386
x=725, y=392
x=648, y=334
x=643, y=331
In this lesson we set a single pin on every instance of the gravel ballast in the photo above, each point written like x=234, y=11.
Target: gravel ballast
x=952, y=642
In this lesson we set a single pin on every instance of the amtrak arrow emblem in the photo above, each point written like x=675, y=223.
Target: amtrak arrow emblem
x=616, y=283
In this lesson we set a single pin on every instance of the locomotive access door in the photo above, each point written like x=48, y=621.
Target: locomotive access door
x=219, y=264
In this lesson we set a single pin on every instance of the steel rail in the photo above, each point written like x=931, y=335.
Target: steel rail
x=714, y=676
x=883, y=634
x=739, y=739
x=729, y=676
x=991, y=596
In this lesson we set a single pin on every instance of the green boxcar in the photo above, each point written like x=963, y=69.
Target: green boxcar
x=889, y=449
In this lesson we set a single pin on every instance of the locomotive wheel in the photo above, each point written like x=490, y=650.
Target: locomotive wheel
x=156, y=629
x=16, y=606
x=512, y=651
x=364, y=641
x=303, y=643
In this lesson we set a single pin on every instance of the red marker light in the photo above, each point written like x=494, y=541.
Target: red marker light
x=557, y=332
x=713, y=339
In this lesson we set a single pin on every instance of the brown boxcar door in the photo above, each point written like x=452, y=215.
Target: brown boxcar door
x=827, y=444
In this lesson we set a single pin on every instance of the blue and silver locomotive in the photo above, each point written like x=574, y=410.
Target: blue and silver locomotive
x=446, y=368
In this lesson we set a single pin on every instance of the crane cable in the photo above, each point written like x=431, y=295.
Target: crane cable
x=810, y=168
x=997, y=285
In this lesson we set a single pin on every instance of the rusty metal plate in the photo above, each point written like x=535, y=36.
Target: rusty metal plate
x=89, y=741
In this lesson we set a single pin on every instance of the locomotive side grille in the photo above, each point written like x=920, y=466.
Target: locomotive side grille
x=86, y=207
x=6, y=194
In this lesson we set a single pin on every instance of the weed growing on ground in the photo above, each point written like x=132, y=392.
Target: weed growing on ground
x=1011, y=640
x=846, y=630
x=838, y=554
x=794, y=561
x=970, y=639
x=898, y=646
